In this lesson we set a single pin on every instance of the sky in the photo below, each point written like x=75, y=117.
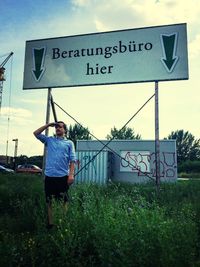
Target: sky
x=99, y=108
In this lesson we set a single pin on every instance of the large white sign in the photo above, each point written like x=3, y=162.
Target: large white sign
x=127, y=56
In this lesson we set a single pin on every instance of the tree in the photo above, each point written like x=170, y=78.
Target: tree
x=22, y=159
x=78, y=132
x=35, y=160
x=126, y=133
x=187, y=147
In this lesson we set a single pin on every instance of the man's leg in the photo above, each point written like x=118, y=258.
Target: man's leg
x=50, y=214
x=65, y=206
x=64, y=193
x=49, y=186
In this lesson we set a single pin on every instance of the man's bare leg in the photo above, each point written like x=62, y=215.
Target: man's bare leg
x=50, y=214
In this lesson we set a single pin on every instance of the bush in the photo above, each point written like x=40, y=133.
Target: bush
x=189, y=175
x=189, y=166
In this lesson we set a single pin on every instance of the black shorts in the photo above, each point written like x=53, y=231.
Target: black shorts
x=56, y=187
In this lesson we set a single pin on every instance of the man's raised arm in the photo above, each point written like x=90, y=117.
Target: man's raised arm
x=42, y=128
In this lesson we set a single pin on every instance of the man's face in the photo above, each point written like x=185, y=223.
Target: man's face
x=60, y=131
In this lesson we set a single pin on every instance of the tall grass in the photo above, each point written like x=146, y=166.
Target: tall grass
x=115, y=225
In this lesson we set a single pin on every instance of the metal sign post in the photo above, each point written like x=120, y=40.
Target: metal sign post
x=47, y=121
x=157, y=142
x=53, y=110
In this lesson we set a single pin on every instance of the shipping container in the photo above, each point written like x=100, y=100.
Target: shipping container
x=93, y=167
x=134, y=160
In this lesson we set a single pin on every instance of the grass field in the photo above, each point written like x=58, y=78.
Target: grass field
x=114, y=225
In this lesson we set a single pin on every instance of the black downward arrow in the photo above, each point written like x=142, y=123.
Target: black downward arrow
x=38, y=62
x=169, y=43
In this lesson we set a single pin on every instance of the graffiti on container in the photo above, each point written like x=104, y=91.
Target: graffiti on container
x=89, y=162
x=143, y=162
x=134, y=161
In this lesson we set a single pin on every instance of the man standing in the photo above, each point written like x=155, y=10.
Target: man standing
x=60, y=164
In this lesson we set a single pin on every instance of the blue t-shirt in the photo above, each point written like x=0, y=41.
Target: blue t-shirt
x=60, y=152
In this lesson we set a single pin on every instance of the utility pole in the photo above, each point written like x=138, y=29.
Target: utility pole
x=15, y=152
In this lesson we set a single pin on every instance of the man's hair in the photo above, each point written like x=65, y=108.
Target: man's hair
x=64, y=125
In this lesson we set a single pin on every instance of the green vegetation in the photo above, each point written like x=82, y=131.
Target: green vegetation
x=190, y=166
x=23, y=159
x=77, y=132
x=188, y=148
x=126, y=133
x=189, y=169
x=116, y=225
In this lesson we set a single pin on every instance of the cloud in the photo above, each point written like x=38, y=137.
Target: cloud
x=81, y=3
x=194, y=47
x=100, y=26
x=16, y=112
x=32, y=101
x=129, y=13
x=18, y=116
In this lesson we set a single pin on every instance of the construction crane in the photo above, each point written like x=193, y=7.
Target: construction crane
x=2, y=77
